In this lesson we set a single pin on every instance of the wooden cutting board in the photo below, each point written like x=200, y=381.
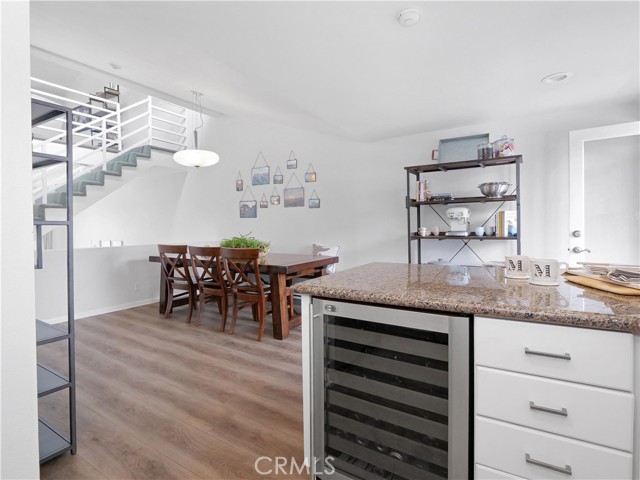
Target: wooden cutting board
x=601, y=285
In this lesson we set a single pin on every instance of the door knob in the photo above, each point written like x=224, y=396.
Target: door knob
x=580, y=250
x=577, y=233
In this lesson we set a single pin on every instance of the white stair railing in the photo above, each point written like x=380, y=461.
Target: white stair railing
x=101, y=133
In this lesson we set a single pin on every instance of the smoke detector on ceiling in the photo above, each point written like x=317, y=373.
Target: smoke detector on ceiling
x=409, y=17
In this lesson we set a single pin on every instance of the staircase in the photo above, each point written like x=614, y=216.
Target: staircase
x=58, y=198
x=103, y=143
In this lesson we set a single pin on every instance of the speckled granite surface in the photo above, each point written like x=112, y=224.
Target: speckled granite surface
x=478, y=290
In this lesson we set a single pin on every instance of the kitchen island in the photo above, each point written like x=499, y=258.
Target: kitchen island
x=557, y=400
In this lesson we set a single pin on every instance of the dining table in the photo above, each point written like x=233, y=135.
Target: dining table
x=282, y=268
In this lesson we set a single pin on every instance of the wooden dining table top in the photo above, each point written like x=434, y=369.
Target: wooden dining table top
x=287, y=263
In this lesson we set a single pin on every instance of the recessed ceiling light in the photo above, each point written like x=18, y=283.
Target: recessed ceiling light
x=115, y=66
x=409, y=17
x=556, y=77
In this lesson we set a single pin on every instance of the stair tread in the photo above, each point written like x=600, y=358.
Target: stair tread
x=91, y=182
x=52, y=205
x=96, y=176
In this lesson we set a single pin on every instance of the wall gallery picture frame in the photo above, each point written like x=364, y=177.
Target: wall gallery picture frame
x=278, y=177
x=310, y=176
x=294, y=197
x=239, y=185
x=263, y=202
x=260, y=175
x=292, y=163
x=314, y=200
x=275, y=197
x=248, y=209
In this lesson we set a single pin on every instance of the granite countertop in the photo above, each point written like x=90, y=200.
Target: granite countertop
x=478, y=290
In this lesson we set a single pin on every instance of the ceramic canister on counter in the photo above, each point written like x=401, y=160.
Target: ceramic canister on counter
x=504, y=147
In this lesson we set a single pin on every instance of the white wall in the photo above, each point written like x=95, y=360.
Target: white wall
x=19, y=413
x=362, y=187
x=106, y=280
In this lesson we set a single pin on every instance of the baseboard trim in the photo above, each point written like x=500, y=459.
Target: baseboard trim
x=101, y=311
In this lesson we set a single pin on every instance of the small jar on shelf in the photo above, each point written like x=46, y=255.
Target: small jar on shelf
x=485, y=150
x=504, y=147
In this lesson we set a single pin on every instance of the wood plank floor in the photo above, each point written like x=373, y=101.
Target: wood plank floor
x=159, y=398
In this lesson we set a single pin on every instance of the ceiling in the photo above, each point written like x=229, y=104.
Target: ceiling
x=349, y=68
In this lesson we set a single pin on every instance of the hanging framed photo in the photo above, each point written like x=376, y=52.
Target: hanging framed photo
x=310, y=176
x=263, y=202
x=275, y=197
x=294, y=196
x=239, y=183
x=278, y=177
x=248, y=208
x=314, y=200
x=292, y=163
x=260, y=173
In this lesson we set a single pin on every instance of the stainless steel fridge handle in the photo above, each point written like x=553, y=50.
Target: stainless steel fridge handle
x=562, y=412
x=561, y=356
x=566, y=469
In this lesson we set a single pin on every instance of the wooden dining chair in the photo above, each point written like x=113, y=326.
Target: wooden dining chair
x=208, y=273
x=177, y=275
x=242, y=270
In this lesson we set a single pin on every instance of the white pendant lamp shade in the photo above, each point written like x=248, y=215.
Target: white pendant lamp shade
x=194, y=157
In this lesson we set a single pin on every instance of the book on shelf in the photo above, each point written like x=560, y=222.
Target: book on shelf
x=506, y=223
x=422, y=191
x=441, y=197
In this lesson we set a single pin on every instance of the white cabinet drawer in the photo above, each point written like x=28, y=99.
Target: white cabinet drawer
x=486, y=473
x=506, y=447
x=567, y=353
x=593, y=414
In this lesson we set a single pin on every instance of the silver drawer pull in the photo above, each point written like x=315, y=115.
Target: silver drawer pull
x=563, y=411
x=566, y=470
x=562, y=356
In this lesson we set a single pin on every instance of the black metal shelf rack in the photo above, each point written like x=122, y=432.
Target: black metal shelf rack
x=53, y=442
x=418, y=170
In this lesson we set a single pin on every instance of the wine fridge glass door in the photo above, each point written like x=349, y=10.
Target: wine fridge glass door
x=390, y=393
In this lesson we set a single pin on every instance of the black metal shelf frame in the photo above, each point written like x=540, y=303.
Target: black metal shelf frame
x=52, y=442
x=411, y=203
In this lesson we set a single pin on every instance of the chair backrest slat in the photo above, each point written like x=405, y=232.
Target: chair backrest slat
x=242, y=268
x=175, y=265
x=207, y=266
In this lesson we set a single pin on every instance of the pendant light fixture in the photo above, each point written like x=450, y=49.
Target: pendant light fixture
x=195, y=157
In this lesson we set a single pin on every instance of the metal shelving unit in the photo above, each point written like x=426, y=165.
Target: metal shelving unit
x=52, y=441
x=418, y=170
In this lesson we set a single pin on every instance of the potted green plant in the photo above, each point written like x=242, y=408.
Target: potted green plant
x=245, y=241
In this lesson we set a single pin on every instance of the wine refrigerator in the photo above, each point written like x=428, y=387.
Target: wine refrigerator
x=390, y=392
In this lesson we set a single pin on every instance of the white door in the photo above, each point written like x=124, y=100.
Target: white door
x=605, y=194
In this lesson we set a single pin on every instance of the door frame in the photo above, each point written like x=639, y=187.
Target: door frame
x=577, y=139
